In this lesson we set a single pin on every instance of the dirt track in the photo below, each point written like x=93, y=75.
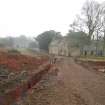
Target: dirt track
x=74, y=85
x=86, y=85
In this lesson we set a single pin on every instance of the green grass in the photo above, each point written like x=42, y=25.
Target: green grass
x=91, y=58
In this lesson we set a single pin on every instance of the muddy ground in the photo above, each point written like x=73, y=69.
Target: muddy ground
x=73, y=85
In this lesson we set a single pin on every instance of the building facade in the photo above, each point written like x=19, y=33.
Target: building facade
x=59, y=47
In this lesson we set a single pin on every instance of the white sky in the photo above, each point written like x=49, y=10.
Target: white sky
x=32, y=17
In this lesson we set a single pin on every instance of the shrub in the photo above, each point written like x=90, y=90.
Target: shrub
x=13, y=51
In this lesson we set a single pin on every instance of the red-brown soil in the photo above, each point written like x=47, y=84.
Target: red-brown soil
x=74, y=85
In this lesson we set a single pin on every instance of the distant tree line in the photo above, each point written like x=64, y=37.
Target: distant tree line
x=18, y=42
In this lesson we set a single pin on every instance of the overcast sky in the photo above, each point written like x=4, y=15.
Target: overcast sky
x=32, y=17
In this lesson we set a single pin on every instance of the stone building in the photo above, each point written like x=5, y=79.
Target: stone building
x=59, y=47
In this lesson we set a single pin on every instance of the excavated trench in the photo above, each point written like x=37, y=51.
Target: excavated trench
x=18, y=93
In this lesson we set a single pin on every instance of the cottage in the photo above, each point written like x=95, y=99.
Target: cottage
x=59, y=47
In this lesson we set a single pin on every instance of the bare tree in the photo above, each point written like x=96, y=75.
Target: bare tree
x=103, y=30
x=90, y=18
x=77, y=25
x=92, y=14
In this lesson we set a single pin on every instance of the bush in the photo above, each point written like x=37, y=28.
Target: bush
x=3, y=71
x=13, y=51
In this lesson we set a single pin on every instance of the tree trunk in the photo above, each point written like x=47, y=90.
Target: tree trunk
x=104, y=44
x=97, y=44
x=90, y=35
